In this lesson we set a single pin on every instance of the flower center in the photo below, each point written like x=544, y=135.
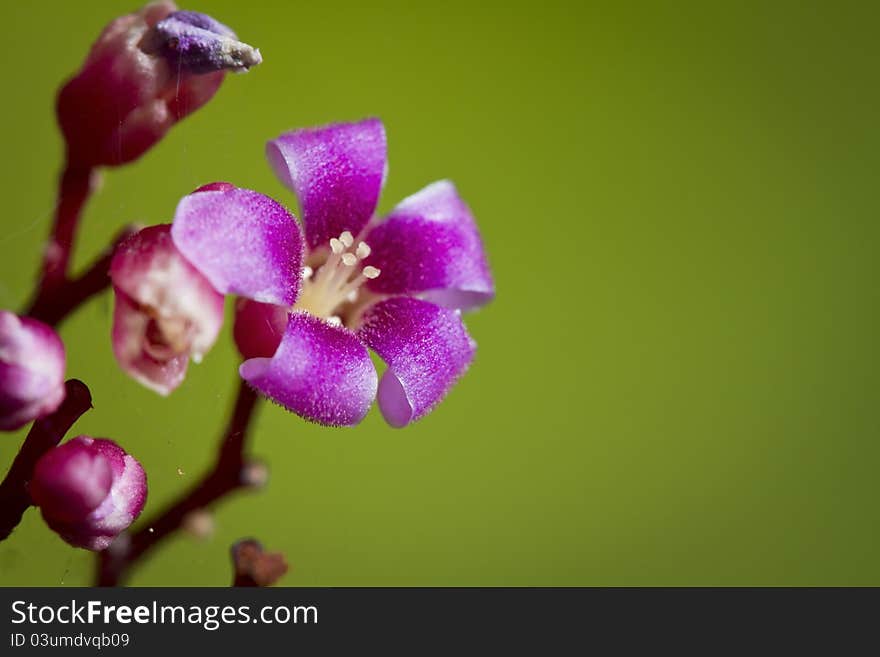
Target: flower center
x=338, y=281
x=167, y=337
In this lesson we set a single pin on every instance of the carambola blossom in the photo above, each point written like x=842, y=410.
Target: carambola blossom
x=88, y=490
x=146, y=71
x=32, y=364
x=314, y=304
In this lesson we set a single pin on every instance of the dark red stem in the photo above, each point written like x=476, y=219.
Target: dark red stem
x=227, y=476
x=44, y=435
x=74, y=189
x=53, y=305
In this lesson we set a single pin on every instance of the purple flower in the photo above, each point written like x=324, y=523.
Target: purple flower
x=88, y=490
x=32, y=366
x=146, y=71
x=166, y=311
x=396, y=285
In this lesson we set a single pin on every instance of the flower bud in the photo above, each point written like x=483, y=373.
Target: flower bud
x=146, y=71
x=166, y=311
x=258, y=328
x=88, y=490
x=31, y=370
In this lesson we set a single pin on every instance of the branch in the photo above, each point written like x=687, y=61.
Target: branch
x=230, y=473
x=53, y=304
x=44, y=435
x=74, y=189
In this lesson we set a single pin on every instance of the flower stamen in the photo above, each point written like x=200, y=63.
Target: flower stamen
x=336, y=282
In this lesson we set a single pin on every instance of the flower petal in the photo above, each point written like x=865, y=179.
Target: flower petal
x=426, y=347
x=245, y=243
x=150, y=270
x=336, y=172
x=320, y=372
x=430, y=245
x=130, y=326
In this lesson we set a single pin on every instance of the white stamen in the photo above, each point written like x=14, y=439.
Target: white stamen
x=336, y=282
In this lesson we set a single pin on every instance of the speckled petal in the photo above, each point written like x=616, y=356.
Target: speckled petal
x=336, y=172
x=427, y=349
x=320, y=372
x=430, y=245
x=245, y=243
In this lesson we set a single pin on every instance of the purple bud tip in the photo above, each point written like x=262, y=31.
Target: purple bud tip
x=32, y=364
x=89, y=490
x=199, y=44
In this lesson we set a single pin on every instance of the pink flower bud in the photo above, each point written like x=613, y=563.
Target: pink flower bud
x=89, y=490
x=258, y=328
x=31, y=370
x=146, y=71
x=166, y=311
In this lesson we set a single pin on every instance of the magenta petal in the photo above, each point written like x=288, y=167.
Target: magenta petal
x=245, y=243
x=320, y=372
x=430, y=245
x=336, y=172
x=426, y=347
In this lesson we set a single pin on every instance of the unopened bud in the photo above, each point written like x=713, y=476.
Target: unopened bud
x=32, y=366
x=146, y=71
x=89, y=491
x=258, y=328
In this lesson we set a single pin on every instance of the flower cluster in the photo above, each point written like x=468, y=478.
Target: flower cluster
x=146, y=71
x=312, y=300
x=313, y=296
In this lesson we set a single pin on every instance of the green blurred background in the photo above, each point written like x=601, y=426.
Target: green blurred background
x=678, y=380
